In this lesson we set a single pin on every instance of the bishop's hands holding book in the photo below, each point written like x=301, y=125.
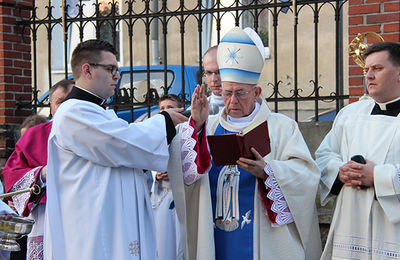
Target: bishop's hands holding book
x=200, y=112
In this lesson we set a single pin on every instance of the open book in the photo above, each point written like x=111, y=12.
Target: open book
x=226, y=149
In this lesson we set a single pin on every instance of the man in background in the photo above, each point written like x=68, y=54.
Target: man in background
x=213, y=80
x=32, y=121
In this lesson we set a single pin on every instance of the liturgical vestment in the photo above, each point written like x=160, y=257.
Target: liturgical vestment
x=98, y=202
x=366, y=222
x=22, y=171
x=296, y=176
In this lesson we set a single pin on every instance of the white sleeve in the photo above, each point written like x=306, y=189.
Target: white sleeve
x=387, y=190
x=329, y=159
x=101, y=137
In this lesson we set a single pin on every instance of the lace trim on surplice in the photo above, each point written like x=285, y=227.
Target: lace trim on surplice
x=279, y=204
x=188, y=155
x=35, y=248
x=25, y=182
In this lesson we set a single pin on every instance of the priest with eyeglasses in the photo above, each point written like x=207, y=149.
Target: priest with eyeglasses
x=98, y=204
x=259, y=208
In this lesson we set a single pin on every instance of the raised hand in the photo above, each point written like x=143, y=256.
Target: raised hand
x=199, y=106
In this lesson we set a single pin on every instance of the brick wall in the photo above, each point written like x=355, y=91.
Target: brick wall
x=380, y=16
x=15, y=72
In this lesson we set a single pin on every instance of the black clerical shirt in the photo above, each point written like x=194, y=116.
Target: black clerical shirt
x=392, y=109
x=81, y=94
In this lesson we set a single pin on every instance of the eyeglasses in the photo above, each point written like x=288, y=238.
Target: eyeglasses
x=210, y=73
x=113, y=69
x=238, y=94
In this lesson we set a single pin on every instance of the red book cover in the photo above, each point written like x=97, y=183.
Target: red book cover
x=226, y=149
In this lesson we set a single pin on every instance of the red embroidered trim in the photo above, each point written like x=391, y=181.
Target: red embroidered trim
x=266, y=201
x=203, y=157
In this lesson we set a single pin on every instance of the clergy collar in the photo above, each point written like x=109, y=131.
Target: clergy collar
x=83, y=94
x=243, y=121
x=389, y=105
x=391, y=108
x=217, y=99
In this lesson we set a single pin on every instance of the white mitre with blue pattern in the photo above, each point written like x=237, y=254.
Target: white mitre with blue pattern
x=241, y=56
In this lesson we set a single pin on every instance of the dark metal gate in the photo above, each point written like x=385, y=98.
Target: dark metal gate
x=108, y=16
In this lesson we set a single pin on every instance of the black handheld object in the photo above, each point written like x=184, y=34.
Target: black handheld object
x=360, y=159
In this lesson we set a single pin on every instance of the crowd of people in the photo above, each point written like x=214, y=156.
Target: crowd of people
x=151, y=190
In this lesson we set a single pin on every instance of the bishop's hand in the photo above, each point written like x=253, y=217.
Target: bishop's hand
x=199, y=107
x=255, y=167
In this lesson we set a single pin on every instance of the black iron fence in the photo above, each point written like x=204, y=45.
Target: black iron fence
x=106, y=18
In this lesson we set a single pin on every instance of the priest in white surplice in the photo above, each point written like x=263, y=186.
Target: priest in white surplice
x=98, y=203
x=366, y=221
x=258, y=209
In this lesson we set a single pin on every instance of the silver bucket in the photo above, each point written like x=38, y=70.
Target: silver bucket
x=12, y=229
